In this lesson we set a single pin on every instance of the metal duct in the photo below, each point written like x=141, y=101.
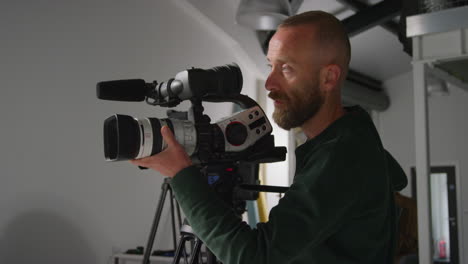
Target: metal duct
x=429, y=6
x=354, y=93
x=265, y=14
x=365, y=91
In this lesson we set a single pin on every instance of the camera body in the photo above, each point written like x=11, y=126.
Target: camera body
x=244, y=128
x=243, y=136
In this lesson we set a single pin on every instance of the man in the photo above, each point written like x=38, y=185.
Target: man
x=340, y=207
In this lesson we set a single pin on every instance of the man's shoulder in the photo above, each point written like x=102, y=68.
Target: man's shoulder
x=344, y=140
x=348, y=148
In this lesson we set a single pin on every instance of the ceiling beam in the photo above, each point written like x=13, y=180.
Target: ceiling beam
x=372, y=16
x=357, y=6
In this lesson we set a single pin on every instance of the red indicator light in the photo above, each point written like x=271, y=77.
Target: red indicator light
x=230, y=169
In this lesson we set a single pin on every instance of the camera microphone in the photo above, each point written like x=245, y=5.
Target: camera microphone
x=217, y=82
x=132, y=90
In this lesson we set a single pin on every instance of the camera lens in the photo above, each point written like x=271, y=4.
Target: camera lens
x=121, y=138
x=126, y=137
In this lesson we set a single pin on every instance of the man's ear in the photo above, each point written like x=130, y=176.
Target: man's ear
x=330, y=77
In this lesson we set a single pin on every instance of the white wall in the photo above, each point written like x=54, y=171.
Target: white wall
x=60, y=202
x=448, y=129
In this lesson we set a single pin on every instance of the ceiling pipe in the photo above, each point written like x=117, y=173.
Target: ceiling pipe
x=372, y=16
x=358, y=6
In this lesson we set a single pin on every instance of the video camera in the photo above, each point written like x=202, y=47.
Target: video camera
x=242, y=137
x=227, y=152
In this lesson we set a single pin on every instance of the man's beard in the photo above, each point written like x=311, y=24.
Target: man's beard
x=300, y=106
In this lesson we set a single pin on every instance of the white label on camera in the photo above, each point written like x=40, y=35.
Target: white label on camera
x=146, y=138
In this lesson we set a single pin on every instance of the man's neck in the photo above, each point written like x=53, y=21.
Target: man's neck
x=327, y=114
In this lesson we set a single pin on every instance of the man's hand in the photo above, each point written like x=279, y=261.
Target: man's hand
x=169, y=161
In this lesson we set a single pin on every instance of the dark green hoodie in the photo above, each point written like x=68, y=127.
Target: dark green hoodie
x=339, y=209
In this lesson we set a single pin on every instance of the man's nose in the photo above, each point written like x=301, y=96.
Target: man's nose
x=271, y=83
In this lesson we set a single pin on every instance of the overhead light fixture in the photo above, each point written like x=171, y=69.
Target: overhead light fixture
x=265, y=14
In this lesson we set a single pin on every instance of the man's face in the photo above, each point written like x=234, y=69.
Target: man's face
x=294, y=78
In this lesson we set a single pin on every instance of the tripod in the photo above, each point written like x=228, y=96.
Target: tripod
x=166, y=188
x=187, y=234
x=224, y=185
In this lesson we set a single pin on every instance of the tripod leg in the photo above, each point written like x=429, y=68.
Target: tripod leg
x=173, y=219
x=179, y=218
x=149, y=246
x=181, y=249
x=196, y=252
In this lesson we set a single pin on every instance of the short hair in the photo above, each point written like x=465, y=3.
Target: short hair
x=329, y=29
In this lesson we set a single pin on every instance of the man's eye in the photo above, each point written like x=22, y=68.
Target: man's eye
x=286, y=68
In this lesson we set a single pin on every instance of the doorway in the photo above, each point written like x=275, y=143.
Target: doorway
x=444, y=213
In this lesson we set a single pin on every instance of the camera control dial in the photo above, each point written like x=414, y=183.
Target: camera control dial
x=236, y=133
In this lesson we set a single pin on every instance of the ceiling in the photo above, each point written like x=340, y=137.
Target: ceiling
x=376, y=52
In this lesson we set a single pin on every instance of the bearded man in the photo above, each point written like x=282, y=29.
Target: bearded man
x=340, y=206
